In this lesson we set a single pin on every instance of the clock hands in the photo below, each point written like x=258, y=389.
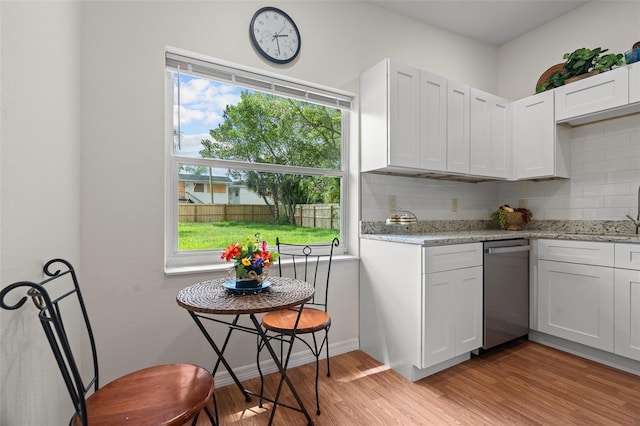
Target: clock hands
x=277, y=36
x=277, y=42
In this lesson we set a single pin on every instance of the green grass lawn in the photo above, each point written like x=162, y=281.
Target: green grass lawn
x=199, y=236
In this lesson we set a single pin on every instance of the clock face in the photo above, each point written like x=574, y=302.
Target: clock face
x=275, y=35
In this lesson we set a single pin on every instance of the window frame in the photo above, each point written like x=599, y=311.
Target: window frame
x=180, y=262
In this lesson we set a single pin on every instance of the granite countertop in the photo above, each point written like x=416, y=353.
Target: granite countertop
x=447, y=238
x=438, y=233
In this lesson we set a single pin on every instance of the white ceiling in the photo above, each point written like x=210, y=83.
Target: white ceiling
x=494, y=22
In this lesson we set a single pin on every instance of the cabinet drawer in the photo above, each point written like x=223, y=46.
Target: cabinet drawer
x=628, y=256
x=446, y=258
x=586, y=252
x=593, y=94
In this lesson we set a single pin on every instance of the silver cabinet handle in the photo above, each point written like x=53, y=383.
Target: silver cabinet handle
x=514, y=249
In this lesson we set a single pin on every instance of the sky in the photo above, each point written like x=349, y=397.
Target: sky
x=202, y=103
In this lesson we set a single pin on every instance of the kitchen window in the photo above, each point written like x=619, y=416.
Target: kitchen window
x=251, y=149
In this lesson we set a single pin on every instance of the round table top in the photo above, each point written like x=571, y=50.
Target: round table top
x=211, y=297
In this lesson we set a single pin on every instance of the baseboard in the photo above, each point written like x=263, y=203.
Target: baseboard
x=300, y=357
x=612, y=360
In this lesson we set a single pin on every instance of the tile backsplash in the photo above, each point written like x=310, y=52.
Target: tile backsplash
x=605, y=176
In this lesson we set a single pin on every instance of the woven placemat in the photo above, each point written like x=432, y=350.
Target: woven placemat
x=212, y=298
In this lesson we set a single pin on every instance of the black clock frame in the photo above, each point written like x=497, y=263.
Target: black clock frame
x=256, y=45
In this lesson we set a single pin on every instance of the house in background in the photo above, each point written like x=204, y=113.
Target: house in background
x=240, y=194
x=205, y=189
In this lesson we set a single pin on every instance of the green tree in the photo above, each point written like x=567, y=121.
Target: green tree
x=264, y=128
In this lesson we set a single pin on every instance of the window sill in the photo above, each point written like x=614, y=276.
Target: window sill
x=225, y=267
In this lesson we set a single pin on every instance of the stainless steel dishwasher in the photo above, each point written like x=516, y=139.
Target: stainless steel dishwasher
x=506, y=291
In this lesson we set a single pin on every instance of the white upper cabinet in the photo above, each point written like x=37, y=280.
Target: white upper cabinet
x=490, y=137
x=592, y=95
x=458, y=131
x=420, y=124
x=634, y=82
x=403, y=119
x=404, y=115
x=433, y=121
x=540, y=149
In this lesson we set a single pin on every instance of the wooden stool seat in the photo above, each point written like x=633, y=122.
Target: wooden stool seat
x=161, y=395
x=311, y=320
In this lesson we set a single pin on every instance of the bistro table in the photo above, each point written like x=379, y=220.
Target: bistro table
x=207, y=298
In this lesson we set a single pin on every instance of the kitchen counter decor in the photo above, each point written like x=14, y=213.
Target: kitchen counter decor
x=511, y=219
x=401, y=218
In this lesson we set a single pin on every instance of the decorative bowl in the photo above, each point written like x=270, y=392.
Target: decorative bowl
x=632, y=55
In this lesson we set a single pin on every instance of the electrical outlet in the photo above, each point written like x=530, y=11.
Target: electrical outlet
x=523, y=204
x=454, y=204
x=393, y=203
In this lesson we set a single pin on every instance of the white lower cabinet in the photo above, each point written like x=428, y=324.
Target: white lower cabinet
x=627, y=318
x=627, y=301
x=589, y=293
x=420, y=308
x=452, y=312
x=575, y=302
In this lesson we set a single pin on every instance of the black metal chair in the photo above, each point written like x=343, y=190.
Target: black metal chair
x=170, y=394
x=310, y=263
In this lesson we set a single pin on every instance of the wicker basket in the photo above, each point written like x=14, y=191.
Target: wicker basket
x=548, y=73
x=514, y=221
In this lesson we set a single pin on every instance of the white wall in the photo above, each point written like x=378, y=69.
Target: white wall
x=39, y=176
x=428, y=199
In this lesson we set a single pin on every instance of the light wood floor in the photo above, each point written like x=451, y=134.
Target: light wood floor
x=522, y=383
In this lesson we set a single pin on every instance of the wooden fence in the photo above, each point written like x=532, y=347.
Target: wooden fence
x=310, y=215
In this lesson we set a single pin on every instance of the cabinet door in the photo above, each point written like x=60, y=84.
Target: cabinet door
x=575, y=302
x=404, y=115
x=458, y=103
x=627, y=316
x=452, y=314
x=490, y=139
x=374, y=117
x=534, y=133
x=501, y=140
x=468, y=315
x=592, y=94
x=438, y=310
x=433, y=122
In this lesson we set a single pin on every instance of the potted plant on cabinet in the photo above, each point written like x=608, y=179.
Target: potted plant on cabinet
x=579, y=64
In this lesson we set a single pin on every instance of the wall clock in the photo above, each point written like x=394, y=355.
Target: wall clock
x=275, y=35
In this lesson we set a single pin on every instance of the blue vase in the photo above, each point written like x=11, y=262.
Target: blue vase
x=254, y=280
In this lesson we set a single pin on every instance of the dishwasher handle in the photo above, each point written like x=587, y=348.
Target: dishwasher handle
x=512, y=249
